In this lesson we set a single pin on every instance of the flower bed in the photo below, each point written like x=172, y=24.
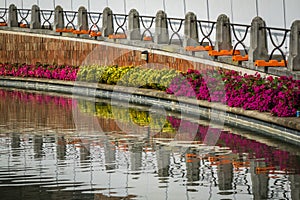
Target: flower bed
x=129, y=76
x=280, y=95
x=39, y=71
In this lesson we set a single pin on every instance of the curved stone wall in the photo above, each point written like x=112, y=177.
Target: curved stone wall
x=287, y=129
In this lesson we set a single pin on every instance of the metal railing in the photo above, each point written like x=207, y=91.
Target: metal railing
x=48, y=18
x=210, y=25
x=277, y=37
x=147, y=28
x=95, y=23
x=70, y=17
x=3, y=15
x=175, y=31
x=121, y=21
x=240, y=40
x=277, y=47
x=24, y=14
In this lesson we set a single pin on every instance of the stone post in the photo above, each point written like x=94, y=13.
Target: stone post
x=82, y=19
x=12, y=16
x=134, y=32
x=35, y=17
x=258, y=40
x=107, y=22
x=294, y=51
x=223, y=33
x=58, y=18
x=191, y=37
x=161, y=28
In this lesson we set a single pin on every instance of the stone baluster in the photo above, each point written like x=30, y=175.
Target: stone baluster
x=134, y=32
x=82, y=19
x=223, y=33
x=294, y=51
x=35, y=17
x=107, y=22
x=161, y=28
x=258, y=40
x=191, y=37
x=58, y=18
x=12, y=16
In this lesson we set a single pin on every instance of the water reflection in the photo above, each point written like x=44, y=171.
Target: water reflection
x=43, y=155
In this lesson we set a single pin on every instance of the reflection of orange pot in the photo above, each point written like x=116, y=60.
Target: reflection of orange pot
x=75, y=141
x=262, y=170
x=238, y=164
x=212, y=159
x=226, y=161
x=191, y=155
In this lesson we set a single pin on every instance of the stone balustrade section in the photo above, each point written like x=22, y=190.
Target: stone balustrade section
x=258, y=49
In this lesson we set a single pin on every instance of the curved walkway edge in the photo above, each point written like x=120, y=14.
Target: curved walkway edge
x=283, y=128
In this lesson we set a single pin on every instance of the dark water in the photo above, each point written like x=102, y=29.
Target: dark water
x=54, y=147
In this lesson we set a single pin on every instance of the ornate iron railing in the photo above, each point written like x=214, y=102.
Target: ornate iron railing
x=48, y=18
x=70, y=17
x=277, y=37
x=3, y=15
x=24, y=14
x=121, y=21
x=175, y=31
x=147, y=28
x=277, y=32
x=95, y=22
x=210, y=25
x=240, y=40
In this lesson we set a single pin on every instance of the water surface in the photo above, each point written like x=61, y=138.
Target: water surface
x=56, y=147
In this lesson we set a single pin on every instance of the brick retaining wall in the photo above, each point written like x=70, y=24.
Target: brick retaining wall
x=31, y=48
